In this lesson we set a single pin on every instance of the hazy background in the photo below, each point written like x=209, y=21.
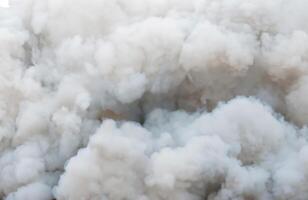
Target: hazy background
x=3, y=3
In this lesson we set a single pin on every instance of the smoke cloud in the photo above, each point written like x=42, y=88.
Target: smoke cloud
x=154, y=100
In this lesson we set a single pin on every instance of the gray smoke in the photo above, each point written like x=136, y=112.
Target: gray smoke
x=154, y=100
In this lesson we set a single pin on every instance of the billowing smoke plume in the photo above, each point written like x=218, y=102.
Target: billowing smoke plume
x=154, y=100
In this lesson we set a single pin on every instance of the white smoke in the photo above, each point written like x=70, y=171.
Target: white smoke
x=154, y=100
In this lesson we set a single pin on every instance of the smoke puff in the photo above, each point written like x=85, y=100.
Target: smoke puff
x=150, y=100
x=228, y=147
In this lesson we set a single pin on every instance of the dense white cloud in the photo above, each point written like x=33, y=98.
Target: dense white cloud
x=153, y=100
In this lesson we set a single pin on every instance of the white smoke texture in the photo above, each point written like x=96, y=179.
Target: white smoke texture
x=154, y=100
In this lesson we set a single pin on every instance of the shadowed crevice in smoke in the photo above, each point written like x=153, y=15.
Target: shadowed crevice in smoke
x=153, y=100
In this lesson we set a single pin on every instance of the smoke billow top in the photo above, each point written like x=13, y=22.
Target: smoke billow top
x=154, y=100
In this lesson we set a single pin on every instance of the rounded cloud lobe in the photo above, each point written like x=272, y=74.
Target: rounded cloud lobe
x=153, y=100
